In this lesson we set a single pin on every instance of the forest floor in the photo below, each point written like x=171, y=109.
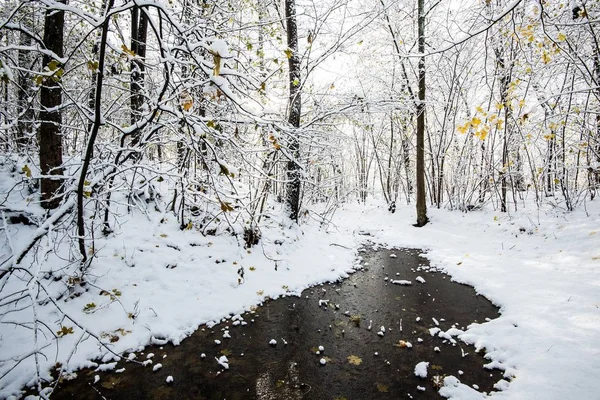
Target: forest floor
x=373, y=333
x=152, y=283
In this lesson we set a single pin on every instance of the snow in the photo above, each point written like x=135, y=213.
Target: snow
x=421, y=369
x=403, y=282
x=223, y=361
x=169, y=379
x=454, y=389
x=273, y=342
x=323, y=361
x=157, y=367
x=420, y=279
x=547, y=285
x=321, y=348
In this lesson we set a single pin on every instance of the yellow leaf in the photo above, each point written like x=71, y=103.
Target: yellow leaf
x=225, y=207
x=479, y=109
x=189, y=226
x=288, y=53
x=64, y=331
x=188, y=104
x=382, y=388
x=482, y=133
x=545, y=57
x=355, y=360
x=26, y=170
x=127, y=51
x=53, y=65
x=561, y=37
x=475, y=121
x=217, y=69
x=92, y=66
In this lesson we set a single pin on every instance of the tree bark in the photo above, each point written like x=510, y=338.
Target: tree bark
x=139, y=32
x=294, y=111
x=421, y=203
x=95, y=127
x=50, y=133
x=25, y=124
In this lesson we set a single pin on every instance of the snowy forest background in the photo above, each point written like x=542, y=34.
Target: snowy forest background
x=226, y=118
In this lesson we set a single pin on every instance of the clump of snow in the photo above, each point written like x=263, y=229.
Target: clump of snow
x=421, y=369
x=402, y=282
x=106, y=367
x=203, y=355
x=436, y=349
x=169, y=379
x=217, y=342
x=223, y=361
x=502, y=384
x=273, y=342
x=321, y=348
x=453, y=389
x=393, y=255
x=323, y=361
x=420, y=279
x=157, y=367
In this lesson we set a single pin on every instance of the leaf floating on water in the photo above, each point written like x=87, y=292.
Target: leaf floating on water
x=382, y=388
x=355, y=360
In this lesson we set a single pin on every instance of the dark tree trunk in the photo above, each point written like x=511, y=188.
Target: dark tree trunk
x=94, y=128
x=50, y=133
x=294, y=106
x=139, y=31
x=421, y=203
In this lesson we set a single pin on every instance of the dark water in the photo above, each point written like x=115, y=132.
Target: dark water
x=293, y=370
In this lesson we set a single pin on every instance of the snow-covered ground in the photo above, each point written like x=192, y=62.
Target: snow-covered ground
x=152, y=282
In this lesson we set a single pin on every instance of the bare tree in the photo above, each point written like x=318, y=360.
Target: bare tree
x=50, y=135
x=294, y=110
x=421, y=203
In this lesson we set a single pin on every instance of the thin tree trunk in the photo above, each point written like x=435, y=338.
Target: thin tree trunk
x=92, y=135
x=139, y=31
x=25, y=124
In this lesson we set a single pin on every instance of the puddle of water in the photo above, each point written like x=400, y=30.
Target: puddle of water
x=360, y=364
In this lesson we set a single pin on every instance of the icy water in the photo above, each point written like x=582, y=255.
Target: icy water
x=361, y=363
